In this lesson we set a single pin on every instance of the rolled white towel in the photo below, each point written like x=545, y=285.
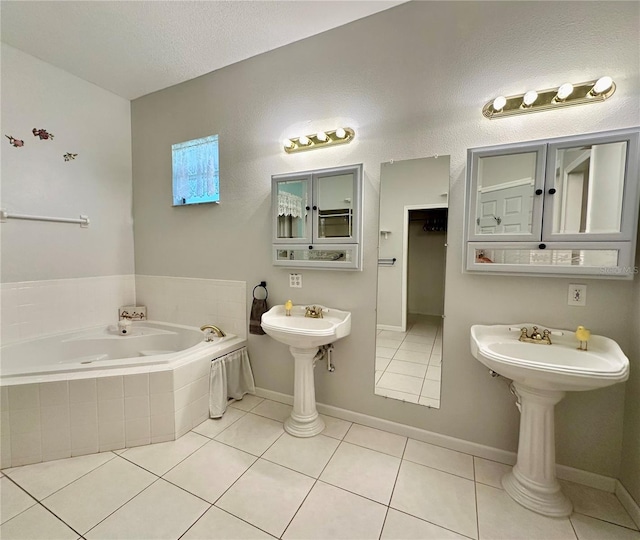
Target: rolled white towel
x=124, y=327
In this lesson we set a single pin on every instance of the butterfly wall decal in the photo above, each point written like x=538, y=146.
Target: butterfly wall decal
x=15, y=142
x=42, y=133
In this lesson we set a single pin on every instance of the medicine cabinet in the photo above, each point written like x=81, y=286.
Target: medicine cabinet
x=566, y=206
x=317, y=221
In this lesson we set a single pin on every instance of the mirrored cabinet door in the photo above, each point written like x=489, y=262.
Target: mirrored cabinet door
x=506, y=188
x=591, y=188
x=335, y=206
x=292, y=199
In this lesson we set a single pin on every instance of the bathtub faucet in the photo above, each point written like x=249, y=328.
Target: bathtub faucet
x=210, y=329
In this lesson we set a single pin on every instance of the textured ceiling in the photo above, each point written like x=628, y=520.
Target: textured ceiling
x=133, y=48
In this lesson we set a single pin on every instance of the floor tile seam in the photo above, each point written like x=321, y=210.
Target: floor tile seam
x=232, y=515
x=475, y=497
x=298, y=509
x=396, y=390
x=321, y=481
x=316, y=480
x=442, y=471
x=35, y=501
x=139, y=493
x=240, y=449
x=186, y=490
x=186, y=457
x=50, y=512
x=431, y=523
x=289, y=468
x=395, y=481
x=399, y=373
x=118, y=508
x=74, y=480
x=221, y=431
x=247, y=469
x=373, y=449
x=196, y=521
x=384, y=521
x=410, y=361
x=604, y=520
x=573, y=529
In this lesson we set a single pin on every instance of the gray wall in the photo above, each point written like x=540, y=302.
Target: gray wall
x=630, y=467
x=411, y=81
x=85, y=120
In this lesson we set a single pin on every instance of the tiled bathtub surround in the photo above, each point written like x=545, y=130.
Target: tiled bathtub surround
x=37, y=308
x=195, y=302
x=54, y=420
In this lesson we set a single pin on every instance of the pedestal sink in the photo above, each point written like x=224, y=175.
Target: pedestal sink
x=305, y=335
x=541, y=376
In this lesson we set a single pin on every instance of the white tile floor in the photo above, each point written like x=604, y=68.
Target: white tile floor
x=243, y=477
x=408, y=364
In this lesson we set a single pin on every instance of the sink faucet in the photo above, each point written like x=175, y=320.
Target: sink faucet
x=210, y=329
x=315, y=312
x=535, y=336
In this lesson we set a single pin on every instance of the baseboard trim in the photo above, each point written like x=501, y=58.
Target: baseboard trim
x=563, y=472
x=629, y=503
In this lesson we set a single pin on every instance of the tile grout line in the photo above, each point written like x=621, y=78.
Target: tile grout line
x=38, y=503
x=315, y=482
x=118, y=508
x=395, y=482
x=76, y=479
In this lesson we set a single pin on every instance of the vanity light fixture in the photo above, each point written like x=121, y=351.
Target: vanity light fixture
x=322, y=139
x=499, y=103
x=594, y=91
x=564, y=92
x=529, y=98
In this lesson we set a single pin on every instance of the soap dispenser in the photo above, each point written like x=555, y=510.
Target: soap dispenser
x=288, y=306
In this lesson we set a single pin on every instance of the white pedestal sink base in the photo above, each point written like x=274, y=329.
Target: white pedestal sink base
x=304, y=420
x=532, y=482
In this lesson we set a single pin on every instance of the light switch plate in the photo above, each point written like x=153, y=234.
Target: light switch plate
x=295, y=281
x=577, y=295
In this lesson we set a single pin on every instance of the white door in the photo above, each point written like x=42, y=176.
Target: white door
x=505, y=211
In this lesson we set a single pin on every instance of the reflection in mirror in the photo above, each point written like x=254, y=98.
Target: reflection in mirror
x=596, y=258
x=589, y=184
x=292, y=208
x=505, y=193
x=411, y=279
x=335, y=206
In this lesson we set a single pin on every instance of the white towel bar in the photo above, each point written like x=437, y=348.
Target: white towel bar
x=83, y=221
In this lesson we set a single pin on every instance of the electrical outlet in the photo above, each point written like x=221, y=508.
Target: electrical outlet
x=295, y=280
x=577, y=295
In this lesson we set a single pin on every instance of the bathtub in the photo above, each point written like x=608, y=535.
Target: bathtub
x=95, y=390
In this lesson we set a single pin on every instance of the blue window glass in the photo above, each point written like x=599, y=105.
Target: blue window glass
x=196, y=177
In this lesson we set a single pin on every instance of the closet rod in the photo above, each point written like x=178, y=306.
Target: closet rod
x=83, y=221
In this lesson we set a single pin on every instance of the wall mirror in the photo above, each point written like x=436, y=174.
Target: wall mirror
x=411, y=279
x=589, y=184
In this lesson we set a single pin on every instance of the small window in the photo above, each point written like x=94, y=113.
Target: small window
x=196, y=176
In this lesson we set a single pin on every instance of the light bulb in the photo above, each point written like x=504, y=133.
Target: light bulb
x=341, y=133
x=499, y=103
x=530, y=98
x=564, y=91
x=304, y=140
x=321, y=136
x=602, y=85
x=287, y=143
